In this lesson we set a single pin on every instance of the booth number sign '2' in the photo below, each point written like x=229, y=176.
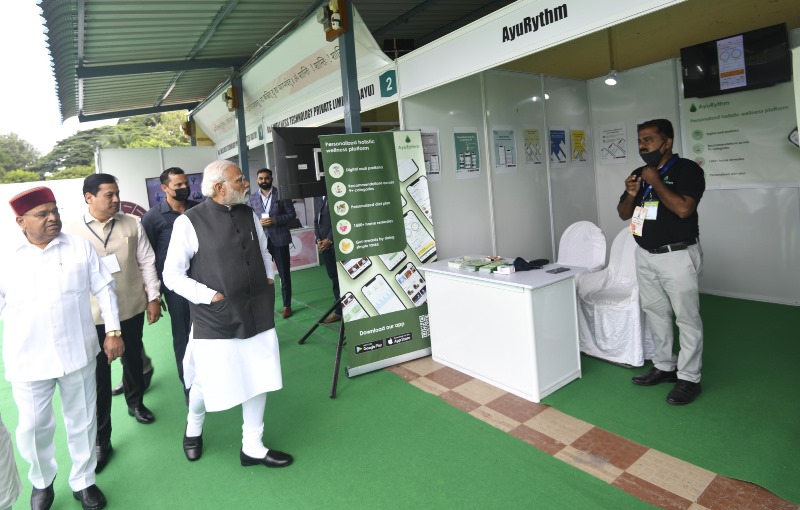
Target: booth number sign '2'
x=388, y=82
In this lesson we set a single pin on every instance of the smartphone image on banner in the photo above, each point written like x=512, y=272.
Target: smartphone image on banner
x=352, y=309
x=412, y=283
x=403, y=200
x=406, y=168
x=355, y=267
x=418, y=238
x=794, y=138
x=391, y=260
x=381, y=296
x=419, y=194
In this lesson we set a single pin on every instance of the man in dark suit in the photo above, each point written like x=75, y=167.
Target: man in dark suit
x=275, y=216
x=157, y=224
x=324, y=234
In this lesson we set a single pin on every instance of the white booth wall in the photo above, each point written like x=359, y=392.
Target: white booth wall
x=750, y=236
x=572, y=184
x=461, y=214
x=504, y=212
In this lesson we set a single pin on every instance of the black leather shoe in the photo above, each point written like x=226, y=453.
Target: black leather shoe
x=117, y=390
x=42, y=499
x=103, y=455
x=683, y=393
x=655, y=376
x=193, y=447
x=142, y=414
x=273, y=459
x=91, y=498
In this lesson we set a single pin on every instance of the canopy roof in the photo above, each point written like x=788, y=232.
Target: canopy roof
x=116, y=58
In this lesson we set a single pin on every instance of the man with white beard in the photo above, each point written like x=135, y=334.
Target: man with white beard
x=218, y=261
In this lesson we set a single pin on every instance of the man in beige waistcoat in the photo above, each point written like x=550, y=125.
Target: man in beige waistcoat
x=122, y=246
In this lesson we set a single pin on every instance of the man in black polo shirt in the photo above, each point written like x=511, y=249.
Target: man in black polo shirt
x=661, y=201
x=157, y=223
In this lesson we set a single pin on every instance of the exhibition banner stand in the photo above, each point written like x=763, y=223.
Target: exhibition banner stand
x=383, y=229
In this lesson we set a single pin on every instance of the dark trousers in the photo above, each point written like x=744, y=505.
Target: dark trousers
x=132, y=377
x=283, y=261
x=181, y=322
x=330, y=265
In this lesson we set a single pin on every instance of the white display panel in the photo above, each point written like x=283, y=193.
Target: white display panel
x=572, y=185
x=460, y=206
x=520, y=194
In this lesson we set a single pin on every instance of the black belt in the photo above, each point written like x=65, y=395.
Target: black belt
x=673, y=247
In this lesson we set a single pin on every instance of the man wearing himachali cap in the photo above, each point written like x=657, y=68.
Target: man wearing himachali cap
x=50, y=340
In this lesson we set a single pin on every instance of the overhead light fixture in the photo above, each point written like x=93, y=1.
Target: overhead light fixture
x=611, y=79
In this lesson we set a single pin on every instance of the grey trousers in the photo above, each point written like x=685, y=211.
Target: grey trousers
x=668, y=285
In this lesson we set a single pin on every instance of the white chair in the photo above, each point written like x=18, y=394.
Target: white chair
x=584, y=245
x=610, y=321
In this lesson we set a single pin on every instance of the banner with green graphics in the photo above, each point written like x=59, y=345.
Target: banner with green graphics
x=383, y=230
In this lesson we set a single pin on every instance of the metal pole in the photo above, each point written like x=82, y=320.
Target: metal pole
x=350, y=98
x=240, y=125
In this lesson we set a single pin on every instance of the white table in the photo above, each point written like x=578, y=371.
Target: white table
x=518, y=332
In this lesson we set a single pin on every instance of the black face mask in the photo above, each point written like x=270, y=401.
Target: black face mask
x=653, y=158
x=182, y=194
x=264, y=185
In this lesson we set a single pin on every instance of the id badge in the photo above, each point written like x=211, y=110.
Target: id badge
x=637, y=222
x=111, y=263
x=652, y=209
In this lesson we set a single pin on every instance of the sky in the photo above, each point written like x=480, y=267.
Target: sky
x=28, y=101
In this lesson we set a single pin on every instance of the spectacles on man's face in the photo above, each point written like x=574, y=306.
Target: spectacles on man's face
x=44, y=214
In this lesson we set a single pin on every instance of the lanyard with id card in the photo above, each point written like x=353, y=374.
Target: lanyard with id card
x=649, y=208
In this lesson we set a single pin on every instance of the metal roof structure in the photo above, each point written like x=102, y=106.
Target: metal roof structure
x=117, y=58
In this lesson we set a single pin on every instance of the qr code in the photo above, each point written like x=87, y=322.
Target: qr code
x=424, y=326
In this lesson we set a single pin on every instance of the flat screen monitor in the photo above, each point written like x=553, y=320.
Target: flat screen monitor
x=298, y=163
x=746, y=61
x=155, y=196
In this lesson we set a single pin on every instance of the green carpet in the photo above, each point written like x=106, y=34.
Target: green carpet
x=382, y=443
x=745, y=424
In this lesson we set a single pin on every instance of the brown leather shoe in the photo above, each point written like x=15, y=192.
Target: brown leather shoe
x=287, y=312
x=332, y=318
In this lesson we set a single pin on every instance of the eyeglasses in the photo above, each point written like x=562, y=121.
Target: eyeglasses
x=44, y=214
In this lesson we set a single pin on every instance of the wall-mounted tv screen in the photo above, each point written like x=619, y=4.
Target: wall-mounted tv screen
x=751, y=60
x=298, y=160
x=155, y=196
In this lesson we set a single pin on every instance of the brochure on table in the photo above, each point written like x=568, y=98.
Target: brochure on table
x=383, y=230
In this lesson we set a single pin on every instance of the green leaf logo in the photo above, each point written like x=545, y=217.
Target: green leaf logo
x=693, y=108
x=408, y=139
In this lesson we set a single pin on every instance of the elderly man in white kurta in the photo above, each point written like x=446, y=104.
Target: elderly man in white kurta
x=218, y=261
x=50, y=340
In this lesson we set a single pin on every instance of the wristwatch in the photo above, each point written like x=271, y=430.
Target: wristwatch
x=114, y=332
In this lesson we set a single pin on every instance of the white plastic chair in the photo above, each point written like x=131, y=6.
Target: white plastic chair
x=611, y=323
x=584, y=245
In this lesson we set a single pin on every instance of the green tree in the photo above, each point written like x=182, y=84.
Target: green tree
x=76, y=172
x=21, y=176
x=16, y=153
x=156, y=130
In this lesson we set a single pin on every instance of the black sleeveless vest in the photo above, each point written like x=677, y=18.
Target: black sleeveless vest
x=229, y=261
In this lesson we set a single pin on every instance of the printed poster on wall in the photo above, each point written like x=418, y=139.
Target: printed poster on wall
x=579, y=153
x=468, y=153
x=384, y=296
x=504, y=144
x=430, y=148
x=558, y=147
x=613, y=144
x=533, y=146
x=743, y=139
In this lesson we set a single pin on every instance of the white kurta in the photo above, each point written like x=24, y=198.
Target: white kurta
x=44, y=300
x=229, y=371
